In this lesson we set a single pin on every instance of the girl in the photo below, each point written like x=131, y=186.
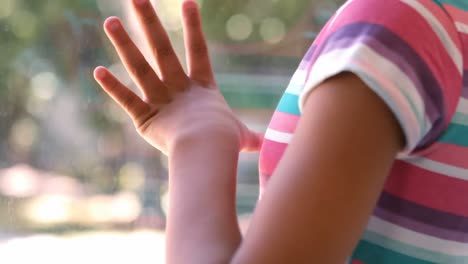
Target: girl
x=362, y=161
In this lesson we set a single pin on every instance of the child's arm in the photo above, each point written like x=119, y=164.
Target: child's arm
x=327, y=183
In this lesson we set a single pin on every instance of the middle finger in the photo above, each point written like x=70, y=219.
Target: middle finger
x=169, y=65
x=135, y=63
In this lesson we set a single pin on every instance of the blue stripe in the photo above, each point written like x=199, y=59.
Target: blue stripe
x=289, y=104
x=374, y=254
x=460, y=118
x=460, y=4
x=455, y=134
x=411, y=250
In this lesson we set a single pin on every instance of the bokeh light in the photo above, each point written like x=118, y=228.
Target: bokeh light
x=239, y=27
x=132, y=176
x=50, y=209
x=123, y=207
x=7, y=8
x=272, y=30
x=44, y=85
x=23, y=134
x=19, y=181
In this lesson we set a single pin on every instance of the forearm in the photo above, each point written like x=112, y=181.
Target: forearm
x=202, y=222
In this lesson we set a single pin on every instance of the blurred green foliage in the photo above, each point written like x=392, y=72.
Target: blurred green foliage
x=56, y=36
x=64, y=38
x=217, y=13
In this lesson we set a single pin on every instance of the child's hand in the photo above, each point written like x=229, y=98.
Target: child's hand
x=175, y=107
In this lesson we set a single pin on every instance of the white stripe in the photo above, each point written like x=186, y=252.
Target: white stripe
x=462, y=106
x=440, y=31
x=296, y=85
x=276, y=136
x=391, y=81
x=460, y=119
x=299, y=77
x=410, y=237
x=438, y=167
x=463, y=28
x=294, y=89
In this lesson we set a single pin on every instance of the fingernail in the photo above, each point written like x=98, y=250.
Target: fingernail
x=99, y=72
x=190, y=2
x=114, y=25
x=140, y=2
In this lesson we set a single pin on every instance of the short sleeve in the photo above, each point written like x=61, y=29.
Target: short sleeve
x=408, y=52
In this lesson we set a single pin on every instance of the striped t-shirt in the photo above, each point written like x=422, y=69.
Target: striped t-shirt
x=414, y=55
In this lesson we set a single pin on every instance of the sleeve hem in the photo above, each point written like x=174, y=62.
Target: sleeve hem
x=412, y=137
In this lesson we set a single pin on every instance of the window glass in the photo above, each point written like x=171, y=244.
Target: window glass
x=76, y=181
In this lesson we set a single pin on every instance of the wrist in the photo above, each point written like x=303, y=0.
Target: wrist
x=202, y=189
x=205, y=143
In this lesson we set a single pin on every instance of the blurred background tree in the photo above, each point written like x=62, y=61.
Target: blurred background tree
x=55, y=119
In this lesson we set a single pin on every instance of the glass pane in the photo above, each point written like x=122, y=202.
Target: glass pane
x=77, y=184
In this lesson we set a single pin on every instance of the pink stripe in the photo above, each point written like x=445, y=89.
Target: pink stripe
x=429, y=189
x=446, y=21
x=456, y=13
x=449, y=78
x=449, y=154
x=270, y=156
x=397, y=21
x=284, y=122
x=326, y=29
